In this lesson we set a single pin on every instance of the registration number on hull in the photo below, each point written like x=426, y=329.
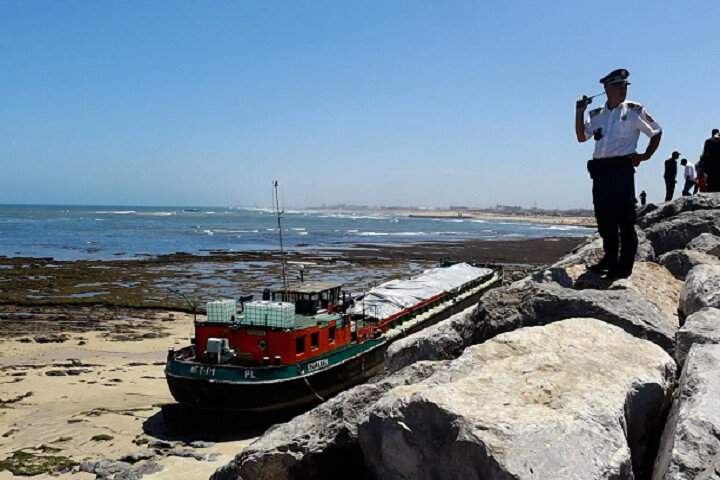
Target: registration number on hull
x=207, y=372
x=202, y=371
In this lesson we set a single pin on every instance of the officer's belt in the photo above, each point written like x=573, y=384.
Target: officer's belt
x=599, y=165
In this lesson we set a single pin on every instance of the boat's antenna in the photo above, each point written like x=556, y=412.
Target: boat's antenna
x=282, y=252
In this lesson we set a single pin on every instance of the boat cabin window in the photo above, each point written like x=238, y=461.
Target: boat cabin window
x=331, y=333
x=305, y=306
x=310, y=297
x=300, y=345
x=314, y=340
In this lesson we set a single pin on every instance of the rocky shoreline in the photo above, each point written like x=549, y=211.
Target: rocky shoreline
x=560, y=375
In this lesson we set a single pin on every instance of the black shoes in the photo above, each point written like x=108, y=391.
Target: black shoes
x=613, y=269
x=603, y=266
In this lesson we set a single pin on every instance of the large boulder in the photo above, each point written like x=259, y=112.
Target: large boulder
x=656, y=284
x=690, y=445
x=701, y=289
x=322, y=442
x=527, y=303
x=706, y=243
x=575, y=399
x=443, y=341
x=676, y=232
x=705, y=201
x=680, y=262
x=701, y=327
x=649, y=280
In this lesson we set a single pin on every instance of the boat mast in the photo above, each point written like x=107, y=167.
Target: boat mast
x=282, y=252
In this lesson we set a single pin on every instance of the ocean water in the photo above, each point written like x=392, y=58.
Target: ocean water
x=104, y=233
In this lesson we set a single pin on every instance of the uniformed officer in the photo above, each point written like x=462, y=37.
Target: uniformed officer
x=616, y=127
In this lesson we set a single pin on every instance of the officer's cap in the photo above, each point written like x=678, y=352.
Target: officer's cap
x=616, y=76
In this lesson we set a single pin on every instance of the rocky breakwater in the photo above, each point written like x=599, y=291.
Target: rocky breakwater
x=561, y=375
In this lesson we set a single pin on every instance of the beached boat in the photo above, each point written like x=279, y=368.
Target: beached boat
x=304, y=344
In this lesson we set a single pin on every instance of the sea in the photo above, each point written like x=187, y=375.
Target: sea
x=65, y=232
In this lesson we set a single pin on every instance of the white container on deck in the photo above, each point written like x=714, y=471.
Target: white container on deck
x=270, y=314
x=221, y=311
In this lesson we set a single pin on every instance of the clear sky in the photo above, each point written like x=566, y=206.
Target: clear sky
x=361, y=102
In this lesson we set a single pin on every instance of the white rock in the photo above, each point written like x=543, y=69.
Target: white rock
x=570, y=400
x=690, y=447
x=701, y=289
x=701, y=327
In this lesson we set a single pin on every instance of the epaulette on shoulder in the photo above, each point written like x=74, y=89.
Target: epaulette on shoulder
x=594, y=112
x=635, y=107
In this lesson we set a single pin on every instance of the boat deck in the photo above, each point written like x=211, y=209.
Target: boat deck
x=409, y=325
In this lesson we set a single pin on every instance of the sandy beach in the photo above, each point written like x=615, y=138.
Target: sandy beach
x=96, y=395
x=83, y=380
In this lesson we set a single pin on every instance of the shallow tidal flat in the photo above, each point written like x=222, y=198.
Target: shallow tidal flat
x=83, y=344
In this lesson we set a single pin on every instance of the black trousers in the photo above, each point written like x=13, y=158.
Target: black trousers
x=713, y=182
x=614, y=201
x=669, y=188
x=688, y=186
x=712, y=168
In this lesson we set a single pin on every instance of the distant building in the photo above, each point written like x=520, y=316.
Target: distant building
x=509, y=208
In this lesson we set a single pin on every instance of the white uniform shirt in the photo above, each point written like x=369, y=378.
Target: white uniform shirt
x=690, y=172
x=619, y=129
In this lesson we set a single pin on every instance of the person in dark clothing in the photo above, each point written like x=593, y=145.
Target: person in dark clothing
x=616, y=127
x=670, y=175
x=711, y=161
x=643, y=198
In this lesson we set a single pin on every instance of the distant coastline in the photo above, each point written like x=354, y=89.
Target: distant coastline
x=579, y=218
x=580, y=221
x=576, y=217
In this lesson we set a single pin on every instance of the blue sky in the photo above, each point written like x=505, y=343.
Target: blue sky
x=360, y=102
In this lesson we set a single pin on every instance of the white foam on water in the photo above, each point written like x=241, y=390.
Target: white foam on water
x=156, y=214
x=116, y=212
x=556, y=227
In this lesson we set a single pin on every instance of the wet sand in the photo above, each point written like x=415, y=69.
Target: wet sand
x=82, y=372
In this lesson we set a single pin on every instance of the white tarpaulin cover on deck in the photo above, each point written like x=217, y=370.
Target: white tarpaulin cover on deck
x=397, y=295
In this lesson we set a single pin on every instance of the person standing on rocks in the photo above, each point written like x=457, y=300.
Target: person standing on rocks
x=670, y=175
x=711, y=161
x=690, y=177
x=616, y=128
